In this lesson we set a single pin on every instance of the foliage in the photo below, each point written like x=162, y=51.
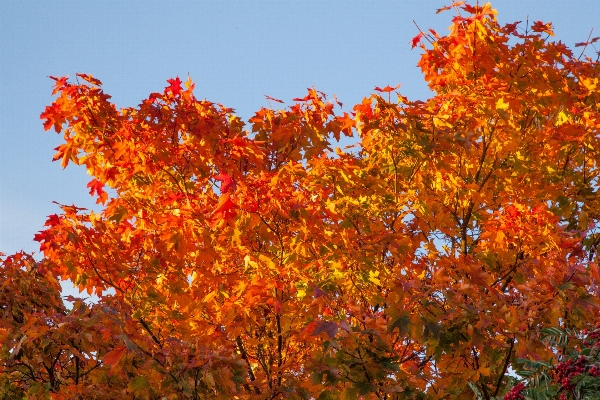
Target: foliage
x=257, y=261
x=575, y=375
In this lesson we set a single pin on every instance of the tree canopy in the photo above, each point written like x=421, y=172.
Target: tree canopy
x=257, y=260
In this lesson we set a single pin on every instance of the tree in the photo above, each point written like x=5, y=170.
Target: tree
x=261, y=262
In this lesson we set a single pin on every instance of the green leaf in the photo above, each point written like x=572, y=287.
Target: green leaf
x=350, y=393
x=401, y=323
x=326, y=395
x=138, y=384
x=118, y=215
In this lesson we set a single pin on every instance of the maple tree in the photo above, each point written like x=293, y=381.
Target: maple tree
x=258, y=261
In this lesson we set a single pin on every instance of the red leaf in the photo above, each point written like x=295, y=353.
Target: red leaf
x=90, y=79
x=586, y=43
x=512, y=27
x=173, y=197
x=337, y=101
x=416, y=40
x=98, y=187
x=330, y=328
x=317, y=291
x=306, y=98
x=539, y=26
x=273, y=98
x=52, y=220
x=175, y=85
x=41, y=237
x=388, y=88
x=458, y=3
x=227, y=182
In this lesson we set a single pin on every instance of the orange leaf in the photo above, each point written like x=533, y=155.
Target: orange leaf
x=225, y=204
x=119, y=148
x=113, y=357
x=60, y=84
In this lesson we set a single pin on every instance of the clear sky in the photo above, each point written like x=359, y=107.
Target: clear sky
x=236, y=51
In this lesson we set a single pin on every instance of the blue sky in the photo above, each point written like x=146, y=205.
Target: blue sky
x=236, y=51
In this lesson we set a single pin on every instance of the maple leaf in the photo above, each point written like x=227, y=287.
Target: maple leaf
x=434, y=33
x=52, y=220
x=119, y=148
x=416, y=40
x=330, y=328
x=539, y=26
x=501, y=104
x=455, y=4
x=512, y=28
x=97, y=187
x=485, y=10
x=175, y=86
x=60, y=84
x=53, y=117
x=224, y=206
x=112, y=358
x=347, y=123
x=42, y=236
x=488, y=10
x=273, y=98
x=317, y=291
x=227, y=182
x=305, y=98
x=89, y=78
x=387, y=89
x=593, y=40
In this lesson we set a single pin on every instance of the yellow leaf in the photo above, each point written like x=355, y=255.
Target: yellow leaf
x=209, y=297
x=439, y=181
x=373, y=277
x=235, y=239
x=193, y=277
x=561, y=118
x=590, y=83
x=501, y=104
x=331, y=206
x=301, y=292
x=249, y=262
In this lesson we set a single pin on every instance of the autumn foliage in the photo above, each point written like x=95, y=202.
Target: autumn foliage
x=257, y=260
